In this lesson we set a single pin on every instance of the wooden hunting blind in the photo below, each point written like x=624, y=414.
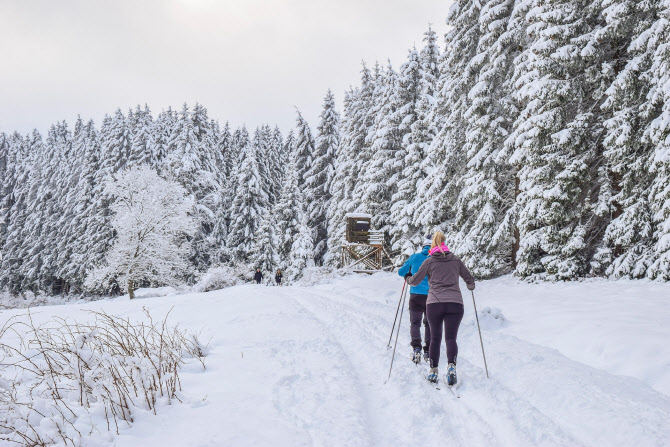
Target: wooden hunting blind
x=363, y=251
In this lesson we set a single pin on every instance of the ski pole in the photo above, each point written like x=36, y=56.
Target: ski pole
x=480, y=334
x=388, y=345
x=396, y=334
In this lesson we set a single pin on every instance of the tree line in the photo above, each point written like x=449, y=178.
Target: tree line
x=538, y=140
x=535, y=136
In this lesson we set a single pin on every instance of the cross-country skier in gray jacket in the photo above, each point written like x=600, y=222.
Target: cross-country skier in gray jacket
x=445, y=303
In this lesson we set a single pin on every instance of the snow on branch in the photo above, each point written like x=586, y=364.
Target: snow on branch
x=153, y=221
x=62, y=380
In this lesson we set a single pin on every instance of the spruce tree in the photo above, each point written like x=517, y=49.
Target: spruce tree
x=141, y=144
x=59, y=145
x=263, y=253
x=160, y=139
x=88, y=247
x=192, y=163
x=624, y=199
x=249, y=206
x=304, y=148
x=436, y=194
x=480, y=234
x=413, y=89
x=341, y=185
x=556, y=142
x=302, y=248
x=320, y=175
x=379, y=172
x=286, y=212
x=14, y=212
x=355, y=142
x=658, y=134
x=4, y=184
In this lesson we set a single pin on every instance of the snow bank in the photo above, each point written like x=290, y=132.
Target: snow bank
x=318, y=275
x=220, y=277
x=148, y=292
x=29, y=299
x=491, y=318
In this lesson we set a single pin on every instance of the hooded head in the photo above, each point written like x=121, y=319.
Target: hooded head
x=428, y=240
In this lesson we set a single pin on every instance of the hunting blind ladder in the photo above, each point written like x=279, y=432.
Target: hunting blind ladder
x=363, y=251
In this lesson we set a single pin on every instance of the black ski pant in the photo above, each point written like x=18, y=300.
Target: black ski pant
x=449, y=315
x=417, y=313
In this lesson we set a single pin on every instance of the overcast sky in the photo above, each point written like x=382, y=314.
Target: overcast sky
x=247, y=61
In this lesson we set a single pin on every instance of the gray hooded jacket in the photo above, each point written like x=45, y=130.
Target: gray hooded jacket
x=443, y=270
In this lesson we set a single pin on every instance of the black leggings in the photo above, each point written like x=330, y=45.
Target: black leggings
x=449, y=314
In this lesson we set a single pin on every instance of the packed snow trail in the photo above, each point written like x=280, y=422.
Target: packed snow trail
x=306, y=366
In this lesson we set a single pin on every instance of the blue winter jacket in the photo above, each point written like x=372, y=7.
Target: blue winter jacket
x=413, y=264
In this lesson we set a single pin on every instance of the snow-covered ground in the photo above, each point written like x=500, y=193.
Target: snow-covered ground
x=577, y=364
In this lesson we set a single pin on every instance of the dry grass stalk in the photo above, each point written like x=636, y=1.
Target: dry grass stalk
x=62, y=371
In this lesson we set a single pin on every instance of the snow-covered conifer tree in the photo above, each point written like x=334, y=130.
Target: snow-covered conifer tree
x=413, y=88
x=266, y=160
x=436, y=194
x=141, y=150
x=320, y=175
x=4, y=183
x=279, y=159
x=341, y=185
x=481, y=236
x=59, y=145
x=160, y=138
x=116, y=140
x=89, y=245
x=249, y=206
x=304, y=148
x=658, y=133
x=353, y=139
x=379, y=171
x=288, y=212
x=263, y=253
x=302, y=249
x=624, y=198
x=192, y=163
x=15, y=185
x=556, y=141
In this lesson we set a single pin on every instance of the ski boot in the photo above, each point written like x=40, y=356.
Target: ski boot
x=432, y=375
x=426, y=357
x=451, y=375
x=416, y=356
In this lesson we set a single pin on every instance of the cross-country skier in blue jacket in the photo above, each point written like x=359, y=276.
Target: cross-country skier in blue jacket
x=417, y=302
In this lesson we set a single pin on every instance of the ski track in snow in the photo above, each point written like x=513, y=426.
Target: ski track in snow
x=448, y=419
x=306, y=366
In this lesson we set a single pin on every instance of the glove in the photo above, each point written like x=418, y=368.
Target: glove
x=408, y=276
x=471, y=286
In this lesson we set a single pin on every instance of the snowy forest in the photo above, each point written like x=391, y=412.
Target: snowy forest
x=535, y=134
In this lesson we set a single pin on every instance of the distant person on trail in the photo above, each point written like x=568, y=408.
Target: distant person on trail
x=258, y=276
x=278, y=277
x=417, y=302
x=445, y=303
